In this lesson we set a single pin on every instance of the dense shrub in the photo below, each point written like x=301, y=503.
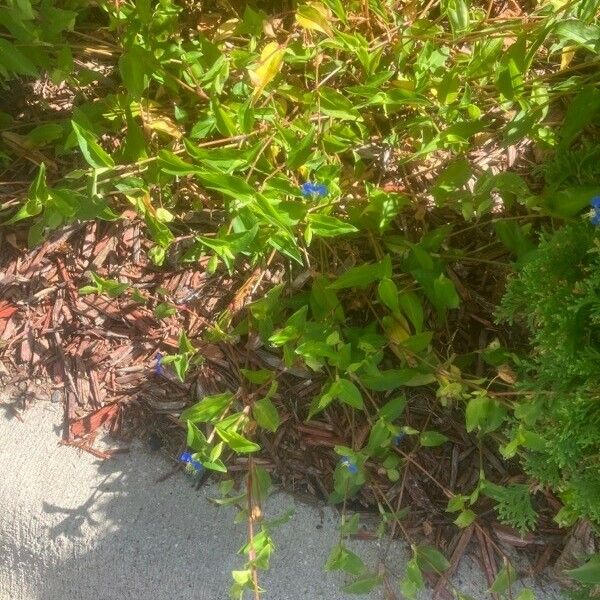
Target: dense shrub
x=556, y=297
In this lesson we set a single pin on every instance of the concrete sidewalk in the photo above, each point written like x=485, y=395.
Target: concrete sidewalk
x=77, y=528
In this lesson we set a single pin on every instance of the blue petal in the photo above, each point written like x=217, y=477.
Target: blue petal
x=595, y=202
x=185, y=457
x=595, y=220
x=321, y=189
x=398, y=438
x=158, y=367
x=198, y=466
x=350, y=465
x=307, y=188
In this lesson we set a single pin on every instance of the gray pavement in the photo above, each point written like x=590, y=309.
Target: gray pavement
x=73, y=527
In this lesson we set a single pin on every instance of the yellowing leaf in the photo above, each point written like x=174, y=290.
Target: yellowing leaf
x=398, y=333
x=315, y=17
x=226, y=30
x=271, y=59
x=566, y=56
x=163, y=124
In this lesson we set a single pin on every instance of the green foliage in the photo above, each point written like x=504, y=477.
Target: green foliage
x=555, y=297
x=100, y=285
x=589, y=572
x=208, y=135
x=513, y=505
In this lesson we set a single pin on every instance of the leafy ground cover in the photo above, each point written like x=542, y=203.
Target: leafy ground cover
x=287, y=231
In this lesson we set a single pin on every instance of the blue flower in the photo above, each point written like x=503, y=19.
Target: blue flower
x=158, y=366
x=349, y=464
x=397, y=439
x=197, y=466
x=314, y=189
x=595, y=204
x=186, y=457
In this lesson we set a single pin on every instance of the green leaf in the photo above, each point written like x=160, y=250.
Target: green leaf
x=431, y=560
x=314, y=18
x=588, y=573
x=195, y=438
x=207, y=409
x=347, y=392
x=299, y=153
x=413, y=582
x=392, y=409
x=335, y=104
x=388, y=294
x=236, y=441
x=261, y=484
x=509, y=79
x=457, y=12
x=350, y=526
x=513, y=236
x=484, y=413
x=583, y=109
x=184, y=343
x=224, y=122
x=363, y=275
x=445, y=295
x=411, y=306
x=229, y=185
x=419, y=342
x=42, y=135
x=172, y=164
x=326, y=226
x=134, y=147
x=37, y=198
x=14, y=61
x=569, y=201
x=504, y=580
x=447, y=91
x=103, y=286
x=266, y=414
x=132, y=66
x=259, y=376
x=465, y=518
x=452, y=179
x=574, y=31
x=144, y=10
x=525, y=594
x=93, y=153
x=319, y=404
x=363, y=585
x=456, y=503
x=181, y=364
x=432, y=438
x=164, y=310
x=394, y=378
x=342, y=559
x=215, y=465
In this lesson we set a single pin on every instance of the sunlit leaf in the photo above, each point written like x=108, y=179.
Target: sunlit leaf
x=269, y=65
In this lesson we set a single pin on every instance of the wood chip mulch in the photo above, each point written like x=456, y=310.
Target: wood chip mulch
x=100, y=355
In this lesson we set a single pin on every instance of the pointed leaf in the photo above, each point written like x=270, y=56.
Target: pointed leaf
x=314, y=17
x=269, y=65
